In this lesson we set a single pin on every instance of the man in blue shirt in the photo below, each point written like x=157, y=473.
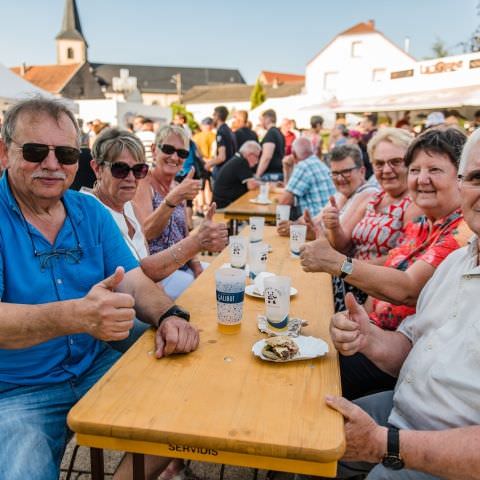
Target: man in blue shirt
x=309, y=185
x=68, y=282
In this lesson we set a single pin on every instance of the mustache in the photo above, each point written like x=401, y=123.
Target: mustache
x=48, y=174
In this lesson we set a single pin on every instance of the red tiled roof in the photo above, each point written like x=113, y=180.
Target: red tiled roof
x=49, y=77
x=281, y=78
x=362, y=27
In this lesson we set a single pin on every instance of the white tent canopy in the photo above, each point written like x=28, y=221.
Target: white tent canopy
x=14, y=88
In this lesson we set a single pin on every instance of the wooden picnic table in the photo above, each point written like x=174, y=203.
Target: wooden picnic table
x=220, y=403
x=242, y=208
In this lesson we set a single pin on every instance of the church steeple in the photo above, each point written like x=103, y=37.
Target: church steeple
x=71, y=44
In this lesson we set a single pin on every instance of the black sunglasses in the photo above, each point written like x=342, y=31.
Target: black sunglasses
x=38, y=152
x=170, y=150
x=122, y=169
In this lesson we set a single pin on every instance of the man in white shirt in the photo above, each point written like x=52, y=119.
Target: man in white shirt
x=429, y=426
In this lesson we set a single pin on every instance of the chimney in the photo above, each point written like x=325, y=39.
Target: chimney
x=23, y=69
x=371, y=23
x=406, y=44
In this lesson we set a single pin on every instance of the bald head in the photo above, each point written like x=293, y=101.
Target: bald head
x=302, y=147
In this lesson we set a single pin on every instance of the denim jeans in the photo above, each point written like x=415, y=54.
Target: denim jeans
x=33, y=426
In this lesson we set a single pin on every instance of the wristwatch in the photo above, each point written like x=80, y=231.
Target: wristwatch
x=392, y=459
x=176, y=311
x=346, y=268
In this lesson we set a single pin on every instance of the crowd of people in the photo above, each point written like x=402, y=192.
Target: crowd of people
x=392, y=215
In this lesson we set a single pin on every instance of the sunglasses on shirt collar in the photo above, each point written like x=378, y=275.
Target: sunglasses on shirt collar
x=38, y=152
x=122, y=169
x=170, y=150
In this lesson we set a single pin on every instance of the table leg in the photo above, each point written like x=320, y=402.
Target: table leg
x=96, y=463
x=138, y=466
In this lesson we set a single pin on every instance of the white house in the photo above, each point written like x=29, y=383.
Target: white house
x=353, y=64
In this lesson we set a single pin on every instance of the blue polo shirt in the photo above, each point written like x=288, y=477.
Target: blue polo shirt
x=58, y=272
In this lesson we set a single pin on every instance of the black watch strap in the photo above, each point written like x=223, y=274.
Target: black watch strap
x=392, y=459
x=176, y=311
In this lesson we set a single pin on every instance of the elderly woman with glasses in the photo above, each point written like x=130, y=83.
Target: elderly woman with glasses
x=160, y=201
x=432, y=161
x=119, y=165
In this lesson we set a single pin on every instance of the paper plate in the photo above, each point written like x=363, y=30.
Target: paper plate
x=309, y=347
x=250, y=290
x=260, y=202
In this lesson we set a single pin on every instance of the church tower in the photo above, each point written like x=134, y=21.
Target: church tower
x=71, y=44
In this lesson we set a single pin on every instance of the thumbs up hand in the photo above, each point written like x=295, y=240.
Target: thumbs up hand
x=212, y=236
x=350, y=329
x=187, y=190
x=331, y=215
x=104, y=313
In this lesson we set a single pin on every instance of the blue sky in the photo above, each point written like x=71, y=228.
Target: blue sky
x=266, y=34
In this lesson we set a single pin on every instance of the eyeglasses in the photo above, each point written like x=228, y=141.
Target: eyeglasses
x=38, y=152
x=122, y=169
x=394, y=163
x=346, y=173
x=70, y=255
x=471, y=180
x=170, y=150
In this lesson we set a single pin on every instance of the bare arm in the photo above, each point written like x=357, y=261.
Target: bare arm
x=339, y=233
x=287, y=198
x=385, y=283
x=210, y=236
x=267, y=154
x=219, y=158
x=450, y=453
x=288, y=164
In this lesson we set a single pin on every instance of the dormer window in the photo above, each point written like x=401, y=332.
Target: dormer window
x=356, y=50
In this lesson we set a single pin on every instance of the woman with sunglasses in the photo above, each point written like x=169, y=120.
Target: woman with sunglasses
x=119, y=165
x=160, y=201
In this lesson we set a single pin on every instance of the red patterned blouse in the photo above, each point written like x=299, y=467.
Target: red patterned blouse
x=420, y=243
x=378, y=232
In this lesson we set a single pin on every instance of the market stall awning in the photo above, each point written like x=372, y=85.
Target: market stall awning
x=427, y=100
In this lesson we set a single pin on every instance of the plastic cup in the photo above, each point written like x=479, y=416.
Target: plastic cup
x=277, y=301
x=257, y=224
x=298, y=234
x=238, y=251
x=282, y=212
x=264, y=190
x=257, y=259
x=230, y=286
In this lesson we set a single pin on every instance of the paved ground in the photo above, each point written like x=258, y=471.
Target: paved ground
x=205, y=471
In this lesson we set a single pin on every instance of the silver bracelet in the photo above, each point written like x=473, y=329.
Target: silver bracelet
x=174, y=256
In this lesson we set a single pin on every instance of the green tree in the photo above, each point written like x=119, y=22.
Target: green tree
x=439, y=49
x=180, y=108
x=258, y=96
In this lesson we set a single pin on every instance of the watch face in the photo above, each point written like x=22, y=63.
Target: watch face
x=347, y=267
x=392, y=462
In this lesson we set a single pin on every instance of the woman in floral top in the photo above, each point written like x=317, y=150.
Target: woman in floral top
x=432, y=161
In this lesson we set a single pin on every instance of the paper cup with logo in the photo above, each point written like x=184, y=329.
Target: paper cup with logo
x=257, y=258
x=238, y=251
x=277, y=301
x=298, y=235
x=230, y=287
x=257, y=225
x=282, y=212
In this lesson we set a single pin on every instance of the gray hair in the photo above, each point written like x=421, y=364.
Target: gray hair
x=111, y=142
x=303, y=147
x=54, y=108
x=250, y=146
x=168, y=130
x=343, y=151
x=467, y=150
x=398, y=136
